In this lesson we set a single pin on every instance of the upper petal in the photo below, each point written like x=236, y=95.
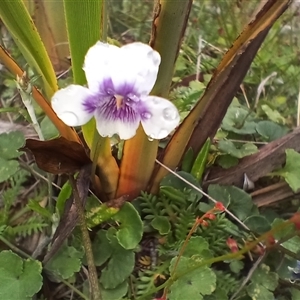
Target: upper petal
x=161, y=119
x=136, y=64
x=68, y=105
x=97, y=63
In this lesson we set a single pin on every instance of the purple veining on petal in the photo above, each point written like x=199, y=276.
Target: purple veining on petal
x=91, y=103
x=132, y=109
x=125, y=113
x=108, y=88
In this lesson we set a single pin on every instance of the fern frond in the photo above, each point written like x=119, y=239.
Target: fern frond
x=150, y=205
x=146, y=281
x=215, y=234
x=29, y=227
x=185, y=221
x=10, y=195
x=226, y=282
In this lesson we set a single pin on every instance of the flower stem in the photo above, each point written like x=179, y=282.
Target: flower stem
x=93, y=277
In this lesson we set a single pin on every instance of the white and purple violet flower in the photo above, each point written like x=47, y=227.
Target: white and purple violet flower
x=119, y=83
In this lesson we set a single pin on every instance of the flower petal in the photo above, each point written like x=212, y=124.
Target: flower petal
x=97, y=63
x=107, y=125
x=68, y=105
x=136, y=64
x=161, y=119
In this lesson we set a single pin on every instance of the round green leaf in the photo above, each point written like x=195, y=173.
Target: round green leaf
x=227, y=161
x=102, y=248
x=10, y=143
x=116, y=293
x=270, y=131
x=263, y=276
x=161, y=224
x=237, y=200
x=258, y=224
x=273, y=114
x=238, y=151
x=219, y=193
x=291, y=170
x=236, y=266
x=238, y=120
x=65, y=262
x=131, y=228
x=7, y=168
x=194, y=284
x=118, y=269
x=257, y=291
x=19, y=279
x=195, y=246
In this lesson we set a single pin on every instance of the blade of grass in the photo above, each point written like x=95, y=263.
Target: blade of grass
x=20, y=25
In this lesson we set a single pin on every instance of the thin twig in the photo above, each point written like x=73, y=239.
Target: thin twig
x=26, y=167
x=214, y=47
x=245, y=95
x=262, y=86
x=248, y=277
x=34, y=172
x=93, y=277
x=13, y=247
x=73, y=288
x=198, y=67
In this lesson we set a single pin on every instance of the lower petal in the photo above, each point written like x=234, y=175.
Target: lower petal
x=161, y=119
x=68, y=105
x=107, y=125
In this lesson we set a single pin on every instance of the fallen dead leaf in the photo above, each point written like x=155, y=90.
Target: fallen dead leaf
x=58, y=156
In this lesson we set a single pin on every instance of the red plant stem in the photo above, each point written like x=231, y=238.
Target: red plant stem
x=192, y=230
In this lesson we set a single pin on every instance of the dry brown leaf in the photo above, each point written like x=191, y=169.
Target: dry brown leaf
x=58, y=156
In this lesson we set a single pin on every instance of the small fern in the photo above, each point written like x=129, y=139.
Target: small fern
x=147, y=280
x=144, y=282
x=185, y=222
x=150, y=205
x=215, y=235
x=29, y=227
x=226, y=282
x=9, y=196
